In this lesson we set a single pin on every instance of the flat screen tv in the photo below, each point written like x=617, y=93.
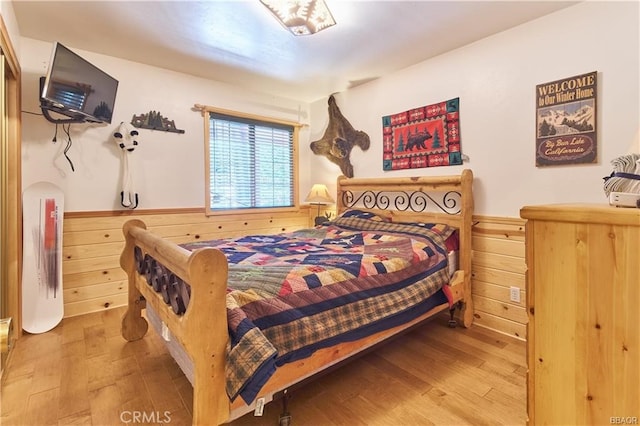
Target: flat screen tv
x=77, y=89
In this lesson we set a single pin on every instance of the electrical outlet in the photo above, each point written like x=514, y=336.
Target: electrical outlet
x=514, y=294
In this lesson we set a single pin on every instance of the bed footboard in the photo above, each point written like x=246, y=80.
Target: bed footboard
x=205, y=270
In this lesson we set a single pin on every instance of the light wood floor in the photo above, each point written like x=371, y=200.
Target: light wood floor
x=84, y=373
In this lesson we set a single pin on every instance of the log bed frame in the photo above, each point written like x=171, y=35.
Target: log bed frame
x=206, y=270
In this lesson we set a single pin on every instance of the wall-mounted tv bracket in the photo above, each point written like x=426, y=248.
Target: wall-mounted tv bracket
x=45, y=110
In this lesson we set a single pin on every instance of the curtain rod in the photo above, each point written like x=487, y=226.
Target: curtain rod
x=207, y=108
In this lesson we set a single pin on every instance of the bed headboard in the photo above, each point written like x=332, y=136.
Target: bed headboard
x=440, y=199
x=429, y=199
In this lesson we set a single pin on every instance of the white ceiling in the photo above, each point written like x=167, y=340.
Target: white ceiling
x=241, y=43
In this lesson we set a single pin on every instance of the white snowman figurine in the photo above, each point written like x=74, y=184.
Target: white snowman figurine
x=127, y=140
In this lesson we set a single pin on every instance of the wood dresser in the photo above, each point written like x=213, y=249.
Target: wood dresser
x=583, y=303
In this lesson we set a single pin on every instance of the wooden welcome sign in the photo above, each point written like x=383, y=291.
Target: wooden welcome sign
x=566, y=121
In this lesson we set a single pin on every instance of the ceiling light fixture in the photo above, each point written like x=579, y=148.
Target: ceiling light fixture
x=301, y=17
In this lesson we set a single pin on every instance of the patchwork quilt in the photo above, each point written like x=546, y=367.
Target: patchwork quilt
x=291, y=294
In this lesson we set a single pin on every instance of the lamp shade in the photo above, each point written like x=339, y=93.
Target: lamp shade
x=301, y=17
x=319, y=194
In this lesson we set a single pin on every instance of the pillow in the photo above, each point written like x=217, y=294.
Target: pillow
x=361, y=214
x=449, y=233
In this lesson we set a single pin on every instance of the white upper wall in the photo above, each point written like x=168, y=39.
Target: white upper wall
x=495, y=79
x=168, y=167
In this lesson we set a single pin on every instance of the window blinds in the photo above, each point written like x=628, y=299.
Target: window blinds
x=250, y=163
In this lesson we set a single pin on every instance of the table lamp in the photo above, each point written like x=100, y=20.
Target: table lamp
x=319, y=195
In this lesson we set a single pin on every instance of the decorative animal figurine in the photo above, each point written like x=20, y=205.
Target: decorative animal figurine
x=339, y=139
x=127, y=140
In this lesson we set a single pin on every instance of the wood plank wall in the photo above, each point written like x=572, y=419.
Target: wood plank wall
x=498, y=263
x=92, y=243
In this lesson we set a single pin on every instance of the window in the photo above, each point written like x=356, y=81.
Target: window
x=250, y=163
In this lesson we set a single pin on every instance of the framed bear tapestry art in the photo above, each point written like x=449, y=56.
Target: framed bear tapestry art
x=422, y=137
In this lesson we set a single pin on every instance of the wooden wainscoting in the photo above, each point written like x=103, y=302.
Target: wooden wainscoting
x=92, y=242
x=93, y=280
x=498, y=263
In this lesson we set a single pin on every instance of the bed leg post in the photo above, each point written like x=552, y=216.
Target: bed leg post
x=208, y=311
x=134, y=326
x=452, y=321
x=467, y=312
x=285, y=417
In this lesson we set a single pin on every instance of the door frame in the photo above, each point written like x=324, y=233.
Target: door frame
x=11, y=185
